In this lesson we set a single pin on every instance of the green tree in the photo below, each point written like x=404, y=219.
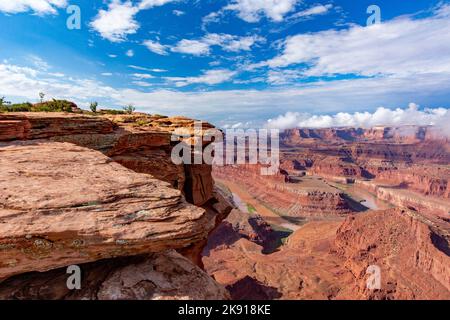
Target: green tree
x=2, y=101
x=129, y=109
x=41, y=96
x=93, y=106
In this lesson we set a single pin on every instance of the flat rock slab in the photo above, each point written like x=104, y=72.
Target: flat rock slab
x=61, y=204
x=158, y=276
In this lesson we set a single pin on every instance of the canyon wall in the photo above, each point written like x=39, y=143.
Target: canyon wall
x=330, y=260
x=413, y=257
x=285, y=198
x=407, y=166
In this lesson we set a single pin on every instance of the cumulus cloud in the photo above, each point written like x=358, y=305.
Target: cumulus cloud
x=118, y=21
x=232, y=43
x=129, y=53
x=156, y=47
x=254, y=10
x=210, y=77
x=194, y=47
x=399, y=47
x=212, y=17
x=40, y=7
x=381, y=117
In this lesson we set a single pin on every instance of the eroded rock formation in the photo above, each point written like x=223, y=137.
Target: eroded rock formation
x=77, y=189
x=329, y=260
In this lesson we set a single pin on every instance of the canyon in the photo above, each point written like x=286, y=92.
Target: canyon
x=101, y=191
x=345, y=200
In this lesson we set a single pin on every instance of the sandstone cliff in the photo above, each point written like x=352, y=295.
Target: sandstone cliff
x=79, y=189
x=413, y=256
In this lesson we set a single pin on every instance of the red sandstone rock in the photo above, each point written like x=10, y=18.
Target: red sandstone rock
x=62, y=204
x=414, y=257
x=328, y=260
x=37, y=125
x=313, y=199
x=158, y=276
x=139, y=142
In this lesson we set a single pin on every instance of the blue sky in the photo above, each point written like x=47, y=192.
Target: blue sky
x=231, y=62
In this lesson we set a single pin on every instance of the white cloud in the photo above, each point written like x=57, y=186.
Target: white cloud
x=156, y=47
x=403, y=46
x=194, y=47
x=40, y=7
x=57, y=74
x=280, y=77
x=232, y=43
x=112, y=56
x=158, y=70
x=148, y=4
x=118, y=21
x=178, y=12
x=107, y=74
x=146, y=69
x=142, y=83
x=382, y=116
x=316, y=10
x=253, y=10
x=142, y=76
x=19, y=83
x=209, y=77
x=211, y=18
x=129, y=53
x=38, y=62
x=227, y=42
x=25, y=83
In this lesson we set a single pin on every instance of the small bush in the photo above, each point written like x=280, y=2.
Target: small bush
x=48, y=106
x=18, y=107
x=129, y=109
x=112, y=111
x=55, y=106
x=93, y=106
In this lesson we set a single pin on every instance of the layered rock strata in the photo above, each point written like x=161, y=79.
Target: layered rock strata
x=78, y=189
x=330, y=260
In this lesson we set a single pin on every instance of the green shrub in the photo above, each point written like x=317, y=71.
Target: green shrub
x=48, y=106
x=112, y=111
x=129, y=109
x=54, y=106
x=18, y=107
x=93, y=106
